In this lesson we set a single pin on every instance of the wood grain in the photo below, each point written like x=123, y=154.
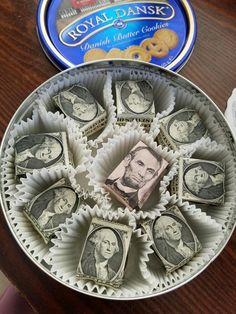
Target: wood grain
x=24, y=67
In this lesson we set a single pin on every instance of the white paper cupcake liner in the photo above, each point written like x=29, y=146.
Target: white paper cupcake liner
x=26, y=235
x=81, y=183
x=114, y=151
x=189, y=150
x=92, y=80
x=44, y=122
x=39, y=181
x=223, y=215
x=99, y=84
x=216, y=152
x=163, y=93
x=184, y=99
x=67, y=249
x=95, y=141
x=210, y=150
x=31, y=186
x=208, y=232
x=76, y=142
x=208, y=113
x=8, y=163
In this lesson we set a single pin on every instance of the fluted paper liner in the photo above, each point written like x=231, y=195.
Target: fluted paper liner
x=163, y=93
x=216, y=152
x=184, y=99
x=44, y=122
x=28, y=237
x=32, y=186
x=67, y=249
x=208, y=232
x=100, y=86
x=212, y=119
x=114, y=151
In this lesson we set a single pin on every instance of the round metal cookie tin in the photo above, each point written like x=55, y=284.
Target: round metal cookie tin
x=212, y=225
x=73, y=32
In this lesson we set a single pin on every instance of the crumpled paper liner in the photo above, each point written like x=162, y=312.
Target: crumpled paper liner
x=114, y=151
x=98, y=83
x=68, y=245
x=208, y=232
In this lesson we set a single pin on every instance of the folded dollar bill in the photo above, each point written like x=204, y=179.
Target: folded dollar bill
x=79, y=104
x=50, y=208
x=181, y=128
x=134, y=100
x=37, y=151
x=201, y=181
x=174, y=241
x=105, y=252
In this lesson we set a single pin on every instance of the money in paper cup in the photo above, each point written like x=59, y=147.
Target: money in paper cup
x=174, y=241
x=201, y=181
x=50, y=208
x=79, y=104
x=181, y=128
x=136, y=176
x=134, y=100
x=105, y=252
x=37, y=151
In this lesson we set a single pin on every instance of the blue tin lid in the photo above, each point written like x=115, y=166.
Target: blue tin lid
x=73, y=32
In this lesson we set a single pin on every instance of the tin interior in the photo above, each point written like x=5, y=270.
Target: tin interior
x=25, y=110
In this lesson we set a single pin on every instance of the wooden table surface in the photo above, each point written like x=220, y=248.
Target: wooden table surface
x=24, y=67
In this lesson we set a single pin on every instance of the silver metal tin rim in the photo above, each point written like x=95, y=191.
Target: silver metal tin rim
x=26, y=108
x=61, y=62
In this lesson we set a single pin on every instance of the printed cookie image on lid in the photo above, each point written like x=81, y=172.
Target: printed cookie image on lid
x=80, y=31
